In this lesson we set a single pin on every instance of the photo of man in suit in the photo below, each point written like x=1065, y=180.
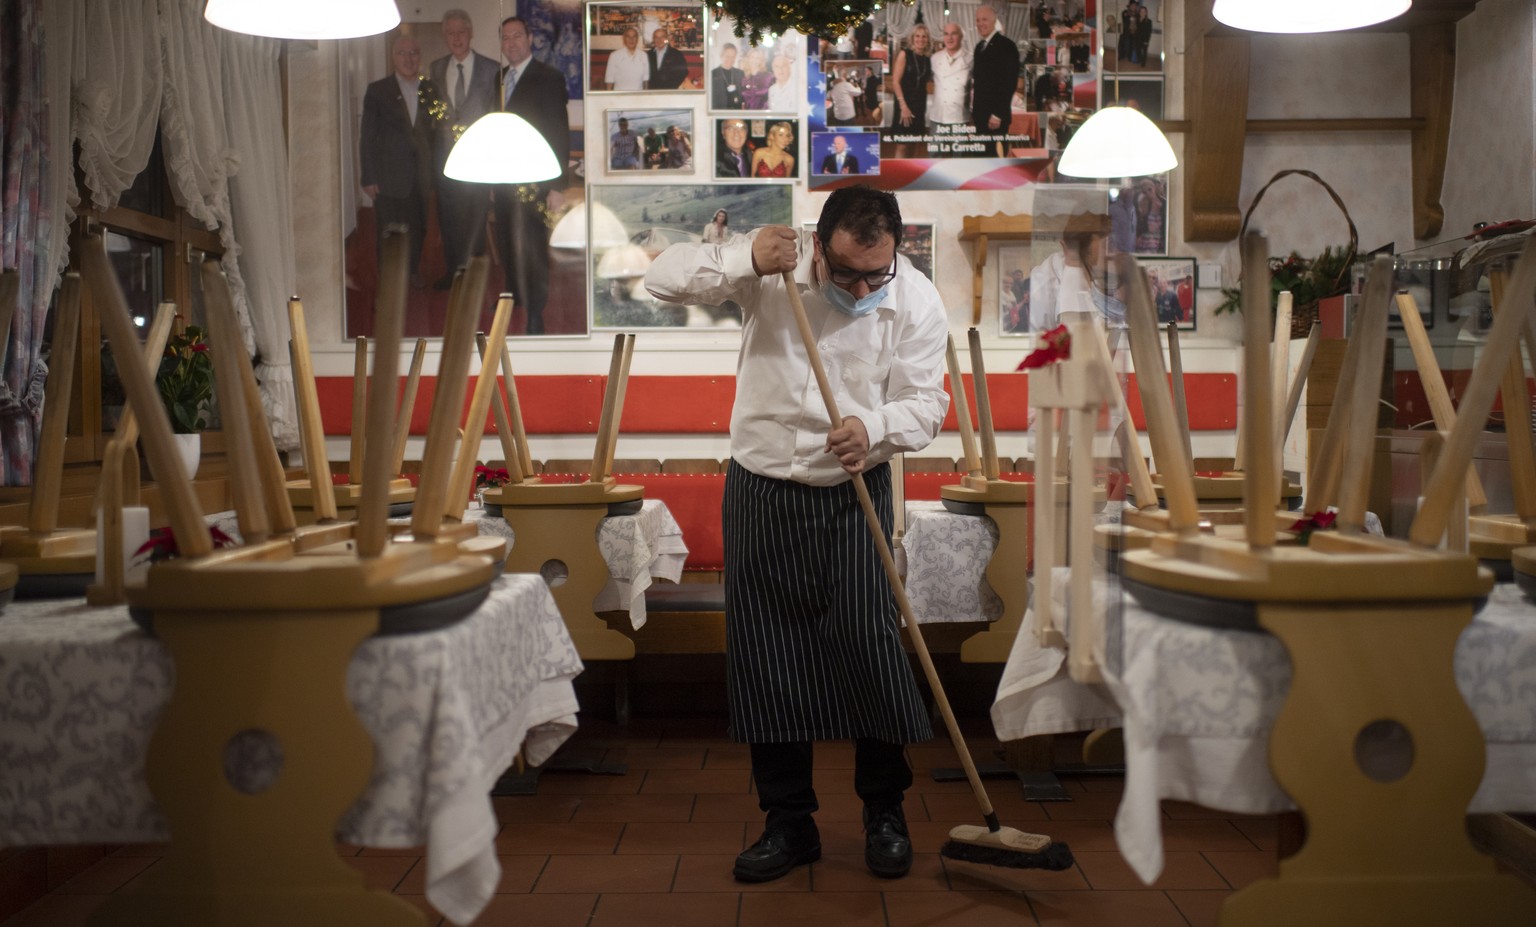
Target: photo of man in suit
x=725, y=81
x=395, y=148
x=733, y=156
x=536, y=92
x=994, y=75
x=840, y=160
x=668, y=66
x=467, y=80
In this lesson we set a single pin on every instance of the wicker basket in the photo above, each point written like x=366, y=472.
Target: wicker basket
x=1304, y=314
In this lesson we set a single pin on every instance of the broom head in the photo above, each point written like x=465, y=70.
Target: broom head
x=1006, y=846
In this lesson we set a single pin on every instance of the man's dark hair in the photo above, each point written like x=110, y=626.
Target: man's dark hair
x=863, y=212
x=520, y=21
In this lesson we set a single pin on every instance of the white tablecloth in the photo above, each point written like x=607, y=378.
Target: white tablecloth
x=83, y=688
x=944, y=559
x=637, y=548
x=1197, y=705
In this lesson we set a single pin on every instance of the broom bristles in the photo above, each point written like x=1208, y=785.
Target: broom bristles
x=1006, y=846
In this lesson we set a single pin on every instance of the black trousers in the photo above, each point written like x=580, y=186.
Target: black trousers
x=782, y=773
x=410, y=211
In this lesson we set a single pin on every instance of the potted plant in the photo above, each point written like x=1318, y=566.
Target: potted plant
x=185, y=382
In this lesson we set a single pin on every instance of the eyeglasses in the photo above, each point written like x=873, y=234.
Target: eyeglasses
x=875, y=279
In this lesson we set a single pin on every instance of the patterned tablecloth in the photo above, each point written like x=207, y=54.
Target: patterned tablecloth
x=81, y=689
x=637, y=548
x=1197, y=705
x=944, y=559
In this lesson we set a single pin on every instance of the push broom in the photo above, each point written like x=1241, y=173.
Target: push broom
x=994, y=844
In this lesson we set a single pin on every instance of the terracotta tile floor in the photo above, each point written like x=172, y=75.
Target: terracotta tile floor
x=655, y=846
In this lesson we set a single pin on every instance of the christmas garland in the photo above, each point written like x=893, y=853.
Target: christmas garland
x=808, y=17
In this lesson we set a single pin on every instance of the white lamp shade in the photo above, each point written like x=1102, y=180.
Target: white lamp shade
x=571, y=230
x=1300, y=16
x=304, y=19
x=624, y=261
x=1117, y=141
x=501, y=148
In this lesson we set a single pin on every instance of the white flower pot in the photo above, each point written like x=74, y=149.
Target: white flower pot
x=191, y=449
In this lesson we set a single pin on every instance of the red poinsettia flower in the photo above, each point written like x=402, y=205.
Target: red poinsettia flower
x=1057, y=346
x=162, y=543
x=1317, y=521
x=485, y=476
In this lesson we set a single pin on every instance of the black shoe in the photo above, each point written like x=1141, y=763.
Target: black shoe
x=774, y=855
x=887, y=849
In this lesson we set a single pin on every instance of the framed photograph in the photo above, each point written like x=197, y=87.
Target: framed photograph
x=652, y=217
x=838, y=153
x=637, y=47
x=1133, y=36
x=1143, y=93
x=1173, y=289
x=397, y=170
x=659, y=140
x=757, y=148
x=855, y=93
x=1015, y=264
x=768, y=77
x=917, y=243
x=1138, y=215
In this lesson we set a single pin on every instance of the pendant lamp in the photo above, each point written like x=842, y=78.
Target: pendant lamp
x=1117, y=141
x=304, y=19
x=501, y=148
x=1298, y=16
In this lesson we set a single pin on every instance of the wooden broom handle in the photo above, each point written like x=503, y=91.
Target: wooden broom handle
x=878, y=535
x=1503, y=339
x=48, y=467
x=185, y=516
x=1440, y=406
x=311, y=430
x=962, y=411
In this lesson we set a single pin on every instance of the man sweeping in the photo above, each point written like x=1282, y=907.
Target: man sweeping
x=812, y=642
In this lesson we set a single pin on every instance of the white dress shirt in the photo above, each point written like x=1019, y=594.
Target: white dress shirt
x=627, y=70
x=410, y=90
x=886, y=368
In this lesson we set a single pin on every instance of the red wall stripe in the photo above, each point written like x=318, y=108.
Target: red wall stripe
x=555, y=404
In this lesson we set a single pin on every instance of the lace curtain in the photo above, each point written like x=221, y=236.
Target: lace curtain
x=116, y=72
x=26, y=217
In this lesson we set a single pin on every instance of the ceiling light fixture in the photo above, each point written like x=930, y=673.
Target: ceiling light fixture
x=304, y=19
x=1117, y=141
x=1305, y=16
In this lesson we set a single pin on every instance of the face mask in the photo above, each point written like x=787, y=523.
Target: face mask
x=843, y=301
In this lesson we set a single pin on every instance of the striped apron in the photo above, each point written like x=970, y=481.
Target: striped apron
x=811, y=640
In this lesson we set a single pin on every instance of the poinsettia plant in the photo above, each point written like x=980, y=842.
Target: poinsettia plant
x=162, y=544
x=487, y=478
x=1055, y=345
x=1317, y=521
x=185, y=380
